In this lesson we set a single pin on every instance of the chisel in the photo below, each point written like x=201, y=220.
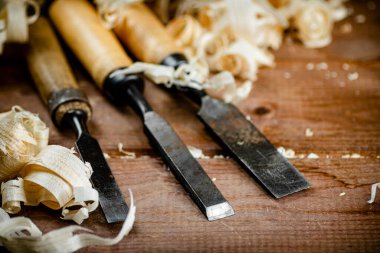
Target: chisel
x=146, y=37
x=104, y=58
x=69, y=107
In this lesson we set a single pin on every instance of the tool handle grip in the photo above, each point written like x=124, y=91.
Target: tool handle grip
x=95, y=46
x=146, y=37
x=51, y=72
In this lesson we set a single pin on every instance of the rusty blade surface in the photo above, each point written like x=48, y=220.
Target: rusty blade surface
x=110, y=197
x=250, y=148
x=186, y=168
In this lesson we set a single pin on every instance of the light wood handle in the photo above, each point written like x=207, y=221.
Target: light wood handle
x=47, y=63
x=143, y=33
x=52, y=74
x=96, y=47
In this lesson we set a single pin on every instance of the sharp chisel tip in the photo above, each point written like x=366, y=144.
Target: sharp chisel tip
x=219, y=211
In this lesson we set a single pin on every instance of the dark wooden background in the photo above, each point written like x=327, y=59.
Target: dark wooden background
x=343, y=114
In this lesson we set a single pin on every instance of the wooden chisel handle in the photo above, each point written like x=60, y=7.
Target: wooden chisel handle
x=95, y=46
x=51, y=73
x=145, y=35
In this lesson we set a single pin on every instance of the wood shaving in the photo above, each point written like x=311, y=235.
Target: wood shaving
x=197, y=153
x=314, y=20
x=20, y=234
x=309, y=132
x=213, y=179
x=312, y=156
x=360, y=19
x=353, y=76
x=322, y=66
x=50, y=175
x=287, y=75
x=310, y=66
x=15, y=20
x=342, y=194
x=374, y=187
x=236, y=36
x=287, y=153
x=106, y=156
x=22, y=136
x=352, y=156
x=346, y=28
x=129, y=155
x=346, y=66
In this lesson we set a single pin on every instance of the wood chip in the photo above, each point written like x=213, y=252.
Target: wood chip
x=309, y=132
x=353, y=76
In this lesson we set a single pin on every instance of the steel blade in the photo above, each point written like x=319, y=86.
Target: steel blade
x=110, y=197
x=251, y=149
x=186, y=168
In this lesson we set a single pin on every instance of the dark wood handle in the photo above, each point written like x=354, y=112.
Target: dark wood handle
x=96, y=47
x=143, y=33
x=47, y=63
x=52, y=74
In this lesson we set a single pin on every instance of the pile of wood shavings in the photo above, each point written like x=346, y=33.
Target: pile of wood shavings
x=48, y=174
x=238, y=36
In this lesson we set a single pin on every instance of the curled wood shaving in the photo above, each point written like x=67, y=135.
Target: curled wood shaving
x=374, y=187
x=314, y=20
x=49, y=174
x=14, y=20
x=197, y=153
x=22, y=136
x=110, y=10
x=190, y=76
x=129, y=155
x=20, y=234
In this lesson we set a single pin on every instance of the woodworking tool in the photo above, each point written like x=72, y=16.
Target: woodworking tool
x=105, y=59
x=146, y=37
x=69, y=107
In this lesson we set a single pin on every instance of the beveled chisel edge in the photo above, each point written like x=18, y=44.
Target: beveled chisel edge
x=306, y=186
x=219, y=211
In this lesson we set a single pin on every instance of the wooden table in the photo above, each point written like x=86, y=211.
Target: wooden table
x=344, y=116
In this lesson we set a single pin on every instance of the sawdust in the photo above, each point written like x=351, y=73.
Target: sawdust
x=360, y=19
x=353, y=76
x=342, y=194
x=128, y=155
x=374, y=187
x=309, y=132
x=352, y=156
x=197, y=153
x=346, y=66
x=106, y=156
x=312, y=156
x=322, y=66
x=346, y=28
x=310, y=66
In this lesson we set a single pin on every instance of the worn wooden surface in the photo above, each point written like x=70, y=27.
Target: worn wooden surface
x=343, y=114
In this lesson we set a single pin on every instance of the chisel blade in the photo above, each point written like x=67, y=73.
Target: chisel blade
x=110, y=197
x=251, y=149
x=186, y=168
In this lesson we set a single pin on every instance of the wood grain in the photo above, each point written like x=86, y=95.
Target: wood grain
x=145, y=35
x=343, y=114
x=46, y=60
x=97, y=47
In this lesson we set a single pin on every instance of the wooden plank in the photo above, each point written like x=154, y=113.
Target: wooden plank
x=344, y=116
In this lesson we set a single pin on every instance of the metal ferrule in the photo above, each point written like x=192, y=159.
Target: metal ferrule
x=174, y=60
x=67, y=98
